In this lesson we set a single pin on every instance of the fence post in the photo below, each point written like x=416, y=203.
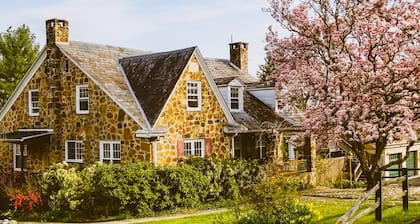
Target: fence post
x=378, y=196
x=405, y=190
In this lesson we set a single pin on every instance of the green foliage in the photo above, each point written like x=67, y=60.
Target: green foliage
x=63, y=188
x=188, y=186
x=274, y=201
x=228, y=178
x=265, y=71
x=17, y=52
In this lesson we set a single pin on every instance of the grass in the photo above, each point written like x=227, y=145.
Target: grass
x=331, y=210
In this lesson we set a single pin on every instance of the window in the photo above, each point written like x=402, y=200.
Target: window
x=74, y=151
x=392, y=158
x=33, y=102
x=236, y=147
x=235, y=98
x=194, y=147
x=260, y=147
x=193, y=95
x=19, y=157
x=110, y=151
x=82, y=99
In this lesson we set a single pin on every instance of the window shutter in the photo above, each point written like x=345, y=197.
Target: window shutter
x=180, y=148
x=208, y=147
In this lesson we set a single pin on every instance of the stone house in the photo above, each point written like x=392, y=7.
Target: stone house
x=83, y=103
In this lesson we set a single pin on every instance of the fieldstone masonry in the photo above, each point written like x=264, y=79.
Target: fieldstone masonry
x=56, y=81
x=182, y=124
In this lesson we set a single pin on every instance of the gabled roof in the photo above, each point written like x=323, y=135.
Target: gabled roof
x=100, y=63
x=153, y=77
x=256, y=114
x=222, y=68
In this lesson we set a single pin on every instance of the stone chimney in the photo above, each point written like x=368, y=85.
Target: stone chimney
x=57, y=30
x=239, y=55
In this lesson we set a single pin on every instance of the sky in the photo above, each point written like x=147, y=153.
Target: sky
x=160, y=25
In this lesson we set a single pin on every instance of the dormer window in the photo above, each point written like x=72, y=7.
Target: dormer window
x=33, y=102
x=193, y=95
x=82, y=99
x=236, y=98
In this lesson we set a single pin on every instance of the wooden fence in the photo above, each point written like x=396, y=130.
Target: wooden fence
x=350, y=217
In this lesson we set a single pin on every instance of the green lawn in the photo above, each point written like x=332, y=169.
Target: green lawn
x=330, y=209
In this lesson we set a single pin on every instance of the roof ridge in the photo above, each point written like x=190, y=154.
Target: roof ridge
x=157, y=54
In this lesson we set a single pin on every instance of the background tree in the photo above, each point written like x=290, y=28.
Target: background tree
x=265, y=71
x=17, y=52
x=355, y=67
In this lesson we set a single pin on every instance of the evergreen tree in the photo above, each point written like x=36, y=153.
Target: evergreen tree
x=17, y=52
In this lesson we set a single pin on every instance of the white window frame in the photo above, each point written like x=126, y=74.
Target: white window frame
x=31, y=106
x=111, y=159
x=79, y=99
x=277, y=104
x=198, y=94
x=75, y=151
x=15, y=153
x=240, y=98
x=260, y=146
x=194, y=147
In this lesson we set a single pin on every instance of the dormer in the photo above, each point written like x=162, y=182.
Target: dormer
x=236, y=96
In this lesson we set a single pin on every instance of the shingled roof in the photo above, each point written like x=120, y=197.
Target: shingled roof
x=152, y=78
x=222, y=68
x=256, y=113
x=100, y=62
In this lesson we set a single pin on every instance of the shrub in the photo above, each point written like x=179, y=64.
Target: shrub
x=274, y=202
x=63, y=188
x=228, y=178
x=188, y=187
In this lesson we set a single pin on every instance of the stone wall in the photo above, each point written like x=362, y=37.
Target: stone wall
x=182, y=124
x=56, y=80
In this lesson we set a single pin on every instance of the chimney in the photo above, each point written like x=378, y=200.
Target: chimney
x=239, y=55
x=57, y=30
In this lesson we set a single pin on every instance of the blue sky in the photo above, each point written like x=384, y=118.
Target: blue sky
x=151, y=25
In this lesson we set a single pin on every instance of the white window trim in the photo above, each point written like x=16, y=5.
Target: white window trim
x=276, y=106
x=111, y=153
x=240, y=98
x=198, y=93
x=66, y=151
x=78, y=111
x=14, y=157
x=193, y=149
x=30, y=106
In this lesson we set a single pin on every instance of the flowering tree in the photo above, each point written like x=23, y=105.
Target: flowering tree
x=353, y=67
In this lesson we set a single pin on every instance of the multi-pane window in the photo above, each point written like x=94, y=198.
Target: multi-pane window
x=234, y=98
x=74, y=151
x=82, y=99
x=19, y=157
x=193, y=95
x=260, y=147
x=237, y=147
x=33, y=102
x=392, y=158
x=194, y=147
x=110, y=151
